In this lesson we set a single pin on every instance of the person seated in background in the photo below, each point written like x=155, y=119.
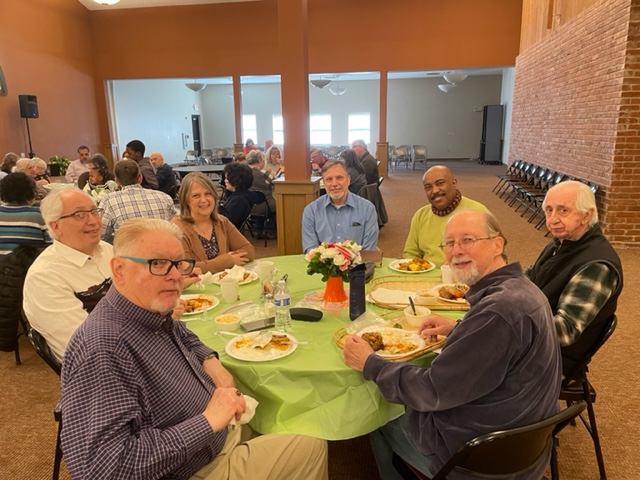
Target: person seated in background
x=339, y=215
x=317, y=160
x=240, y=158
x=22, y=223
x=72, y=275
x=274, y=164
x=41, y=178
x=132, y=201
x=262, y=183
x=98, y=181
x=369, y=163
x=79, y=165
x=268, y=143
x=428, y=223
x=209, y=238
x=355, y=171
x=238, y=179
x=248, y=146
x=8, y=163
x=135, y=151
x=144, y=398
x=28, y=167
x=164, y=173
x=467, y=391
x=579, y=271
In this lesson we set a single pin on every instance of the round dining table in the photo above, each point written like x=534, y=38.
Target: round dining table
x=311, y=391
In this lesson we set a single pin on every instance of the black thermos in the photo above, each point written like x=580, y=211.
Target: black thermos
x=357, y=305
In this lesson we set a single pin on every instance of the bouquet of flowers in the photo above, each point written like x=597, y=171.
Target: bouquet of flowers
x=333, y=259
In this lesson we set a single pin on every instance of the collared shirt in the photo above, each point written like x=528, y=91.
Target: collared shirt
x=75, y=169
x=21, y=225
x=133, y=201
x=581, y=300
x=55, y=286
x=355, y=220
x=133, y=393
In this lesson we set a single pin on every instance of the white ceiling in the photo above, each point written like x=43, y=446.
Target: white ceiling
x=91, y=5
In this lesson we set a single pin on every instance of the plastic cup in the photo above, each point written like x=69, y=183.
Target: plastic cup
x=264, y=268
x=447, y=274
x=229, y=288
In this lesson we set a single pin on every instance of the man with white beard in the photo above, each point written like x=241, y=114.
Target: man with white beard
x=499, y=368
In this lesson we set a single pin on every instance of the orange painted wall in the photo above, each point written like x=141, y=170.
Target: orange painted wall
x=46, y=50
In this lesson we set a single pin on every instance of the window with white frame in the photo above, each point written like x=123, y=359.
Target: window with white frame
x=278, y=129
x=359, y=127
x=320, y=130
x=249, y=128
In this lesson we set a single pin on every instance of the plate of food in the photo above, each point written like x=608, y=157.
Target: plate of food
x=248, y=277
x=262, y=346
x=451, y=292
x=196, y=304
x=412, y=265
x=391, y=342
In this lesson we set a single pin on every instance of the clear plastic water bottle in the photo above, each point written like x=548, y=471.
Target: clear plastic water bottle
x=282, y=302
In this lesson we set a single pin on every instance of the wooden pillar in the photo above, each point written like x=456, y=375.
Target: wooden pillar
x=237, y=112
x=382, y=147
x=297, y=190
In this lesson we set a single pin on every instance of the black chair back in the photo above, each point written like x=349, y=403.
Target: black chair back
x=42, y=348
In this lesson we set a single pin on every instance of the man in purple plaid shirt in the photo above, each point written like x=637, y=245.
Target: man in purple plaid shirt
x=142, y=397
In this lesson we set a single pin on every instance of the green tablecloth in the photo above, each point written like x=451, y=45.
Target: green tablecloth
x=311, y=391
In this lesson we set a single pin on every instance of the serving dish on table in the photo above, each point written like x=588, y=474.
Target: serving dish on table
x=197, y=304
x=412, y=265
x=262, y=346
x=393, y=292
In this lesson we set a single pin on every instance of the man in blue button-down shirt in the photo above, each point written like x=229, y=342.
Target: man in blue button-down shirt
x=339, y=215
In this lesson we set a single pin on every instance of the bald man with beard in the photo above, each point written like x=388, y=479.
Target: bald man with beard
x=428, y=223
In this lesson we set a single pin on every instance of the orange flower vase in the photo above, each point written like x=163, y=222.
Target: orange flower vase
x=334, y=291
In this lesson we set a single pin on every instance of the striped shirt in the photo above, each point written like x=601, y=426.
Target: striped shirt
x=133, y=201
x=133, y=393
x=21, y=225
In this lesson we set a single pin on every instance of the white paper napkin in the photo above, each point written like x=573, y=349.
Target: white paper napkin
x=387, y=295
x=248, y=414
x=205, y=279
x=237, y=273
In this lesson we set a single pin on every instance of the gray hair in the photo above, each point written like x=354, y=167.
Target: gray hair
x=360, y=142
x=134, y=228
x=52, y=205
x=254, y=157
x=23, y=163
x=37, y=161
x=585, y=198
x=333, y=163
x=494, y=230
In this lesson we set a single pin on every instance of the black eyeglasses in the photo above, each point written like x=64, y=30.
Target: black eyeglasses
x=464, y=243
x=83, y=214
x=162, y=266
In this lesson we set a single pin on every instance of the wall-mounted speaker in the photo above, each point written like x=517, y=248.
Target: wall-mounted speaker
x=28, y=106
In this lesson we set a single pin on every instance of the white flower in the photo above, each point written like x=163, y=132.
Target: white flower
x=329, y=253
x=338, y=260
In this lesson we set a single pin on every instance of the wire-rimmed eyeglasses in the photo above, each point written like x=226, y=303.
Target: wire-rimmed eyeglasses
x=162, y=266
x=464, y=243
x=82, y=215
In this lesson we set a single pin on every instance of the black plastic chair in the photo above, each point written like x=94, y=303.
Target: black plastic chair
x=576, y=388
x=265, y=219
x=42, y=348
x=504, y=452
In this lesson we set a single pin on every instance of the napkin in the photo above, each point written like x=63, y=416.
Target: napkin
x=248, y=414
x=237, y=273
x=396, y=297
x=204, y=280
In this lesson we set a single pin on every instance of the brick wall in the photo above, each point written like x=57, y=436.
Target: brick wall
x=576, y=109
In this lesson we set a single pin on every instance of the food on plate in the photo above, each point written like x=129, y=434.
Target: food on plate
x=453, y=292
x=415, y=265
x=374, y=339
x=246, y=275
x=198, y=303
x=229, y=318
x=277, y=342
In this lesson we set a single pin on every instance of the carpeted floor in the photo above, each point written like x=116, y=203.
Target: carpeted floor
x=27, y=430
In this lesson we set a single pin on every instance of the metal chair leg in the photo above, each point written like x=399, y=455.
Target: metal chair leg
x=593, y=429
x=57, y=414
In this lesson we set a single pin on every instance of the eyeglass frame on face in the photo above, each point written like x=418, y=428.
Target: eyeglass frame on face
x=172, y=263
x=81, y=215
x=465, y=243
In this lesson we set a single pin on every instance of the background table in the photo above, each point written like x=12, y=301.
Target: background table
x=311, y=391
x=207, y=169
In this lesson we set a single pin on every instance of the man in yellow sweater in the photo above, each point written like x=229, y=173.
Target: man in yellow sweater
x=427, y=226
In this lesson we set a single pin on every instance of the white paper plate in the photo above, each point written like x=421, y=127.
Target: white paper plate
x=250, y=354
x=213, y=299
x=394, y=266
x=396, y=335
x=252, y=277
x=438, y=287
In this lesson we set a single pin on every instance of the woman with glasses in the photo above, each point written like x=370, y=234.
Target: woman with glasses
x=209, y=238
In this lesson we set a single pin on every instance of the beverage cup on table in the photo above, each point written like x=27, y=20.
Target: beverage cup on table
x=229, y=288
x=264, y=268
x=447, y=274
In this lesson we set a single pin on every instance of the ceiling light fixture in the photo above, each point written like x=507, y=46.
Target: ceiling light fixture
x=454, y=77
x=106, y=2
x=447, y=87
x=338, y=90
x=320, y=82
x=195, y=86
